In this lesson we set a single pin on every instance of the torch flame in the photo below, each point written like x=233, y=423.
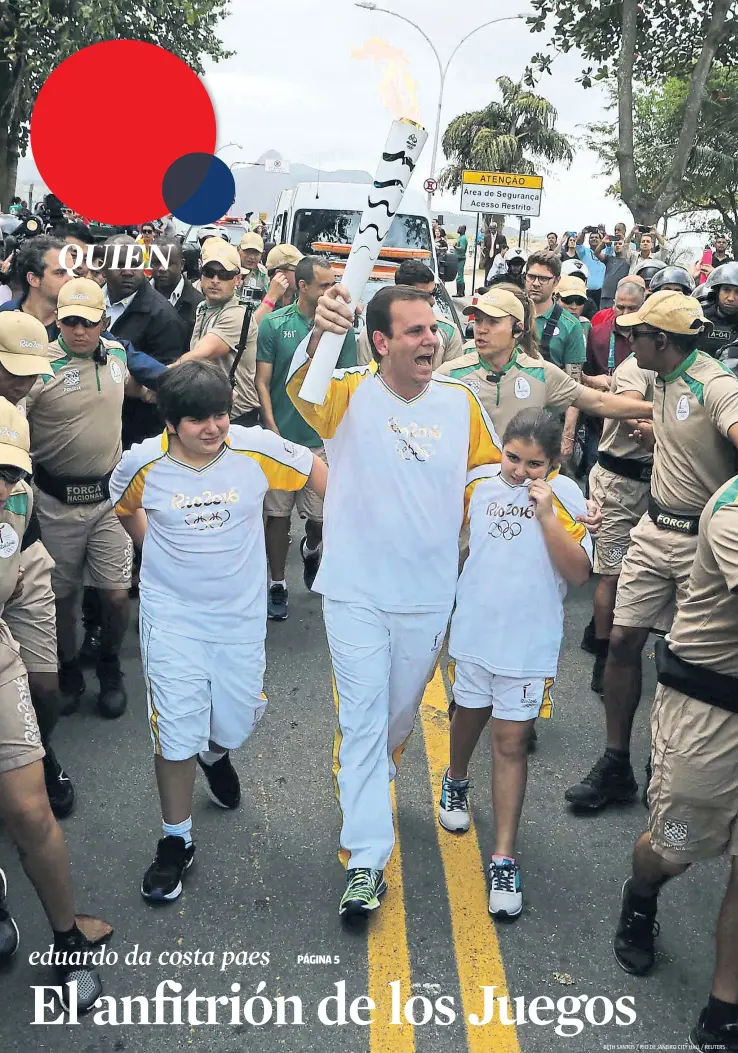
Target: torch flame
x=397, y=88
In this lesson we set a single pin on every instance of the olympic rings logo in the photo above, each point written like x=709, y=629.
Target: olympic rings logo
x=503, y=529
x=409, y=450
x=207, y=520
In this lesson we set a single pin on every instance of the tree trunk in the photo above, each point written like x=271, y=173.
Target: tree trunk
x=8, y=168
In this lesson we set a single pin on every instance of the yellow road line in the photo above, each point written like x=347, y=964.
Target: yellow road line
x=478, y=955
x=389, y=959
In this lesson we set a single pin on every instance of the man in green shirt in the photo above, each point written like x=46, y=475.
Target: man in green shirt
x=279, y=336
x=462, y=246
x=559, y=332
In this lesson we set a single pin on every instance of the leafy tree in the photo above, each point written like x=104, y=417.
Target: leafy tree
x=710, y=182
x=643, y=42
x=506, y=136
x=39, y=34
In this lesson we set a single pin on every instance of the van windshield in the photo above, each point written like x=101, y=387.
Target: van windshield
x=339, y=227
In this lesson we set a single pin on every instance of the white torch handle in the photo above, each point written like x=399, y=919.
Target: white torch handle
x=402, y=149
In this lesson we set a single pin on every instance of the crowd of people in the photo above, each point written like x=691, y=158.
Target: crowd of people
x=154, y=443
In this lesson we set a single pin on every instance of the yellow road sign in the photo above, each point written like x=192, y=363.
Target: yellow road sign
x=514, y=179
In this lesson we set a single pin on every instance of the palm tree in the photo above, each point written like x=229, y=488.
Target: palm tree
x=506, y=136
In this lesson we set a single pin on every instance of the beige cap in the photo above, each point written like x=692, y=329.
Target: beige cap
x=251, y=241
x=498, y=303
x=283, y=256
x=215, y=250
x=571, y=286
x=24, y=347
x=15, y=441
x=81, y=298
x=671, y=311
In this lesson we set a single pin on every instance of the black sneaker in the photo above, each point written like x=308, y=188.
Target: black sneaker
x=310, y=564
x=726, y=1039
x=9, y=937
x=58, y=785
x=89, y=652
x=86, y=977
x=611, y=781
x=163, y=880
x=634, y=937
x=71, y=686
x=649, y=773
x=363, y=889
x=224, y=789
x=277, y=605
x=589, y=640
x=112, y=700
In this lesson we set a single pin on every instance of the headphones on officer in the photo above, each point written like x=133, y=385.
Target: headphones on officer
x=517, y=329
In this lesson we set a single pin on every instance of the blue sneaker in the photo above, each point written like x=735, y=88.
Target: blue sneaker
x=505, y=896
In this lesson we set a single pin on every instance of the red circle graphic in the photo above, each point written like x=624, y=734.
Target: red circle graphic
x=109, y=122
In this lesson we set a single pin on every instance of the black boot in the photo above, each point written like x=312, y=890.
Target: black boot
x=58, y=785
x=611, y=781
x=598, y=669
x=112, y=700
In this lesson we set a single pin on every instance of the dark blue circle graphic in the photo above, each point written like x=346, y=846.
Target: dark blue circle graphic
x=198, y=188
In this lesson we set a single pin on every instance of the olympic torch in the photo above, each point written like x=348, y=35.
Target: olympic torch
x=401, y=152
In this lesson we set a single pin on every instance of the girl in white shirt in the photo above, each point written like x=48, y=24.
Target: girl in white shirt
x=526, y=546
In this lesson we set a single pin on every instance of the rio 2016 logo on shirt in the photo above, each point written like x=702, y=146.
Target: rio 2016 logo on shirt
x=682, y=409
x=206, y=498
x=406, y=445
x=115, y=370
x=207, y=520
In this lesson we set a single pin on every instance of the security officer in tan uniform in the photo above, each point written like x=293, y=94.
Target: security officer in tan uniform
x=75, y=421
x=31, y=615
x=254, y=276
x=620, y=483
x=693, y=794
x=695, y=425
x=24, y=804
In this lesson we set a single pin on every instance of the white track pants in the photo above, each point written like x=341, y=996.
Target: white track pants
x=381, y=664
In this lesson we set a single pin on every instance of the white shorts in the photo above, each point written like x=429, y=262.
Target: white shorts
x=200, y=692
x=510, y=698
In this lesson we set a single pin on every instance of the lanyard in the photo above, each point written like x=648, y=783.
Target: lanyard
x=611, y=355
x=207, y=323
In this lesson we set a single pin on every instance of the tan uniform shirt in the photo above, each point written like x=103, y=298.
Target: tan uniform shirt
x=450, y=345
x=705, y=630
x=693, y=409
x=75, y=416
x=226, y=321
x=14, y=519
x=524, y=383
x=616, y=438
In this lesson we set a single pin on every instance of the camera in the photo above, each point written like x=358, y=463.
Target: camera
x=252, y=294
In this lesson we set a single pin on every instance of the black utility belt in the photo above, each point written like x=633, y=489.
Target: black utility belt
x=697, y=681
x=631, y=468
x=71, y=491
x=677, y=521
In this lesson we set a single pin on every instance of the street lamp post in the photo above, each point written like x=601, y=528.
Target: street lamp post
x=442, y=69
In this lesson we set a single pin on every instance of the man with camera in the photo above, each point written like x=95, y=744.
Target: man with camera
x=588, y=254
x=614, y=254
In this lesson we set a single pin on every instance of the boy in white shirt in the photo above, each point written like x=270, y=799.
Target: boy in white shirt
x=192, y=499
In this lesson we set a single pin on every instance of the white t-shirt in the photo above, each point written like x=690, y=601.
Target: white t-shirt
x=395, y=499
x=509, y=614
x=203, y=568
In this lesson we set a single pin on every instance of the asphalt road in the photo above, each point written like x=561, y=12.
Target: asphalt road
x=267, y=882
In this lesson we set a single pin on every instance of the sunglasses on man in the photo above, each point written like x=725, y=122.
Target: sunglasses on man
x=73, y=321
x=10, y=475
x=574, y=301
x=209, y=271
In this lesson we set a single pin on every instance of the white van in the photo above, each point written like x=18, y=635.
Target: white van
x=329, y=213
x=323, y=218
